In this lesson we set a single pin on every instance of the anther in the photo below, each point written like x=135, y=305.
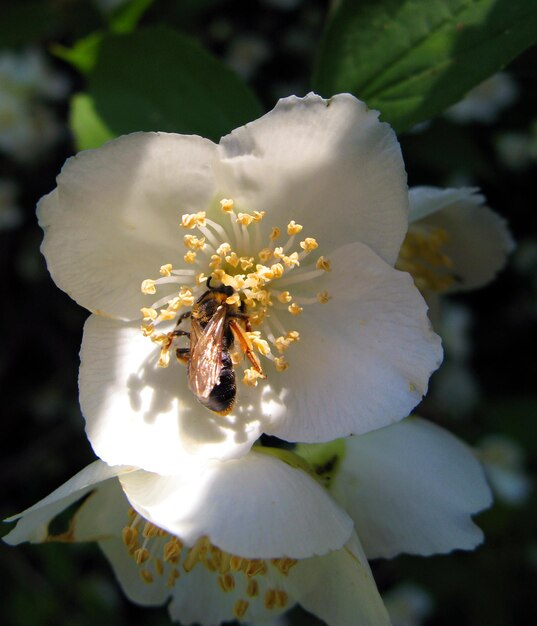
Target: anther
x=323, y=297
x=251, y=377
x=146, y=575
x=281, y=364
x=148, y=313
x=172, y=577
x=309, y=244
x=226, y=582
x=141, y=555
x=252, y=588
x=240, y=607
x=190, y=257
x=293, y=228
x=192, y=220
x=323, y=264
x=295, y=309
x=285, y=297
x=148, y=287
x=226, y=205
x=274, y=233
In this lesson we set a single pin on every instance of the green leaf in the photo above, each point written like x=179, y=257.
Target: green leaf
x=83, y=54
x=157, y=79
x=88, y=129
x=125, y=18
x=411, y=59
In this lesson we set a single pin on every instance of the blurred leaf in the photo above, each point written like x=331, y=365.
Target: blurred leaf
x=125, y=18
x=157, y=79
x=411, y=59
x=26, y=22
x=88, y=129
x=83, y=54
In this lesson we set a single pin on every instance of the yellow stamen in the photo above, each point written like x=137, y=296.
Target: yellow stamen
x=252, y=589
x=146, y=575
x=293, y=228
x=251, y=377
x=274, y=233
x=285, y=297
x=148, y=313
x=166, y=270
x=193, y=242
x=265, y=254
x=192, y=220
x=295, y=309
x=323, y=297
x=309, y=244
x=148, y=287
x=240, y=607
x=226, y=205
x=245, y=219
x=323, y=264
x=223, y=249
x=281, y=364
x=190, y=257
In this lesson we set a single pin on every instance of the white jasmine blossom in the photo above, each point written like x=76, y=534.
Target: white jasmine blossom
x=300, y=216
x=408, y=604
x=10, y=212
x=27, y=126
x=244, y=539
x=454, y=241
x=485, y=102
x=504, y=461
x=411, y=487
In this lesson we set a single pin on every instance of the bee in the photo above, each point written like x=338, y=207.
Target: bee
x=215, y=325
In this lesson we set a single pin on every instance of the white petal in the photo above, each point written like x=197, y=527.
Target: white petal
x=479, y=240
x=101, y=518
x=364, y=358
x=33, y=523
x=198, y=599
x=427, y=200
x=328, y=164
x=339, y=588
x=140, y=414
x=412, y=487
x=255, y=507
x=114, y=218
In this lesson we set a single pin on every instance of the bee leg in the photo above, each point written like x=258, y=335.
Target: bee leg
x=182, y=355
x=244, y=317
x=183, y=317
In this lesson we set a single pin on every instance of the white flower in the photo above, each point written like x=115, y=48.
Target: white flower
x=301, y=214
x=10, y=213
x=485, y=102
x=454, y=242
x=408, y=605
x=27, y=126
x=503, y=459
x=411, y=487
x=242, y=539
x=455, y=387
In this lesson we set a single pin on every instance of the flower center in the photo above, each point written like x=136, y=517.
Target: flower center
x=259, y=281
x=159, y=554
x=422, y=255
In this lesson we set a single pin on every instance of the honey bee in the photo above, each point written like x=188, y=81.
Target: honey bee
x=214, y=327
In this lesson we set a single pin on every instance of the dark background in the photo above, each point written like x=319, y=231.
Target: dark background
x=43, y=441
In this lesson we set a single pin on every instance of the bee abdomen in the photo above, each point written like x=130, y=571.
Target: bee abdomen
x=222, y=397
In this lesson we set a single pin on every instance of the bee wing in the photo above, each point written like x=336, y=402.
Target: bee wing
x=206, y=354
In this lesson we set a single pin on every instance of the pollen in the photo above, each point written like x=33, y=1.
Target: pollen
x=161, y=556
x=148, y=287
x=323, y=297
x=190, y=257
x=323, y=264
x=423, y=256
x=269, y=283
x=193, y=220
x=309, y=244
x=293, y=228
x=226, y=205
x=251, y=377
x=148, y=313
x=295, y=309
